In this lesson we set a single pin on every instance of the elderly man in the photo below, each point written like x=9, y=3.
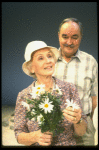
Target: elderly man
x=79, y=68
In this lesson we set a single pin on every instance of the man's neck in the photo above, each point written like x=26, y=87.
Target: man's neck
x=67, y=59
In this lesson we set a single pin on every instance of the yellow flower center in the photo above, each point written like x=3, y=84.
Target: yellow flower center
x=37, y=92
x=46, y=105
x=38, y=88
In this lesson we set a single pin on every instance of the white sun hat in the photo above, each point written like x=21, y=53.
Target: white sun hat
x=32, y=47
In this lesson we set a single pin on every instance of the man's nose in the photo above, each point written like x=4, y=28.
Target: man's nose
x=69, y=41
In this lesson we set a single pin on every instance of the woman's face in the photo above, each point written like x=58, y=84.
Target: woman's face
x=43, y=63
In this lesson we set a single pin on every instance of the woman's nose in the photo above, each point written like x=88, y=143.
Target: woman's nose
x=47, y=60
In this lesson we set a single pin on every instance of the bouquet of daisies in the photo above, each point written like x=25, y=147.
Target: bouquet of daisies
x=44, y=107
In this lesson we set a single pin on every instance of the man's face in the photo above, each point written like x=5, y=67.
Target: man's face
x=69, y=39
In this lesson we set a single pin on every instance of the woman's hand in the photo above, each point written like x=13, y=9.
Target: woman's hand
x=45, y=138
x=30, y=138
x=72, y=116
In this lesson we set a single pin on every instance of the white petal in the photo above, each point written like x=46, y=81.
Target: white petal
x=47, y=100
x=26, y=105
x=67, y=100
x=41, y=105
x=33, y=119
x=72, y=101
x=45, y=110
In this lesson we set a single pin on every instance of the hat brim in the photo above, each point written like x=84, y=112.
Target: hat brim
x=26, y=70
x=24, y=65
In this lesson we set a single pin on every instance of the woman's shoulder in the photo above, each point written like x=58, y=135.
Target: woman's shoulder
x=26, y=91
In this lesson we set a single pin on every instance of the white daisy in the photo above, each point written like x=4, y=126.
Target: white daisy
x=26, y=105
x=33, y=112
x=36, y=91
x=46, y=106
x=71, y=104
x=58, y=90
x=33, y=119
x=40, y=119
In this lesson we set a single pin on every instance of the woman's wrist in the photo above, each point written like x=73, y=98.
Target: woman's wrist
x=79, y=121
x=34, y=136
x=28, y=138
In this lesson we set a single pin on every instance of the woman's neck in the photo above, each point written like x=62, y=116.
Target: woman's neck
x=47, y=81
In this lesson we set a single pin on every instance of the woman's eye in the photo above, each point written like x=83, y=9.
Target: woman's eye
x=50, y=56
x=40, y=58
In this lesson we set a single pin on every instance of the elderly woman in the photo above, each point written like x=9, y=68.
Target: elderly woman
x=40, y=64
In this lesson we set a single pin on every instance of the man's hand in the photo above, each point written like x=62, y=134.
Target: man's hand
x=72, y=116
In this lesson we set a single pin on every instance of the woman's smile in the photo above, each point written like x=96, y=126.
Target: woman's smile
x=48, y=68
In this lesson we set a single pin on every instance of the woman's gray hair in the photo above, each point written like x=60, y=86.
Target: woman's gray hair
x=73, y=20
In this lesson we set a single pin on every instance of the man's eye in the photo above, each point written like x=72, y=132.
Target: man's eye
x=65, y=37
x=75, y=37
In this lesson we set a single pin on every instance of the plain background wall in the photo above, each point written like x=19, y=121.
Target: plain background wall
x=23, y=22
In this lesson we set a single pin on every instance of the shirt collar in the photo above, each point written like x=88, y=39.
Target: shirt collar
x=77, y=55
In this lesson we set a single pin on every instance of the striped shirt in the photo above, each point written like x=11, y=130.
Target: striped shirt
x=82, y=71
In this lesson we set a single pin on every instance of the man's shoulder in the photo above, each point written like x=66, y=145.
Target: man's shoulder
x=86, y=55
x=64, y=83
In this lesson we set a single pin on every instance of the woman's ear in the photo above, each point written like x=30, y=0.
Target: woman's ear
x=32, y=69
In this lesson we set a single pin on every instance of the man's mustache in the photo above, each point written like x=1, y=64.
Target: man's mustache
x=71, y=46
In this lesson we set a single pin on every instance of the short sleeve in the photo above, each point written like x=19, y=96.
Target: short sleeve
x=94, y=83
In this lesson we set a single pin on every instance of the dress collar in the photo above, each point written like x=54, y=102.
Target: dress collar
x=54, y=82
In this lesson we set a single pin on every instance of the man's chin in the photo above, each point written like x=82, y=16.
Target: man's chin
x=69, y=55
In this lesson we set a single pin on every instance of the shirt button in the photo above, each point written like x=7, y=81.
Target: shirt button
x=66, y=66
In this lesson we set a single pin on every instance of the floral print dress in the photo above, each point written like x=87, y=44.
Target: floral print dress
x=21, y=124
